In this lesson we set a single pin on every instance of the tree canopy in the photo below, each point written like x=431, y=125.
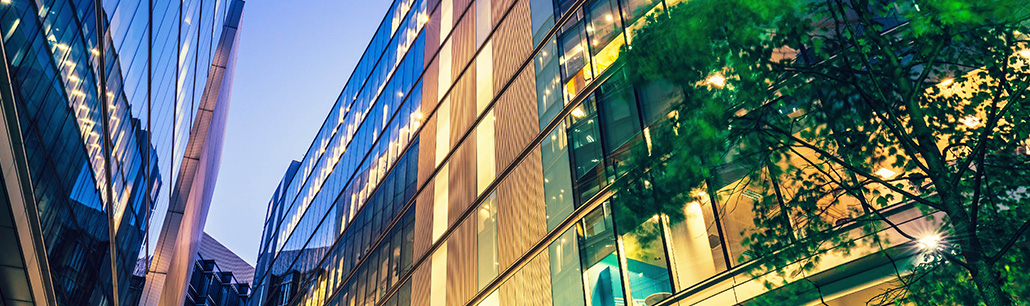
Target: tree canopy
x=873, y=103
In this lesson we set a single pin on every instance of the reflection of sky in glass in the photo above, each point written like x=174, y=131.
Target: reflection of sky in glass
x=294, y=58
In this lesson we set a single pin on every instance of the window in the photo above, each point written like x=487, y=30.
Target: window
x=557, y=174
x=602, y=275
x=619, y=110
x=548, y=85
x=443, y=130
x=483, y=21
x=486, y=238
x=587, y=155
x=484, y=77
x=657, y=99
x=542, y=15
x=575, y=61
x=438, y=277
x=566, y=275
x=486, y=165
x=440, y=203
x=695, y=246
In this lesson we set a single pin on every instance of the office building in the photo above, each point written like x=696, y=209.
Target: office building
x=220, y=277
x=469, y=160
x=89, y=154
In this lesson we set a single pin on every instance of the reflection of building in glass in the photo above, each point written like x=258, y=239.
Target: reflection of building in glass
x=219, y=276
x=90, y=154
x=469, y=161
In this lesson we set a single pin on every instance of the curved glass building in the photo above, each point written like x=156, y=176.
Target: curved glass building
x=107, y=107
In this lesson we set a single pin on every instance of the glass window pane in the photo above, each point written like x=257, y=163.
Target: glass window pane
x=542, y=15
x=486, y=164
x=483, y=20
x=657, y=98
x=602, y=276
x=604, y=24
x=440, y=203
x=557, y=174
x=548, y=84
x=566, y=275
x=643, y=246
x=695, y=246
x=486, y=238
x=575, y=61
x=585, y=136
x=633, y=9
x=619, y=107
x=438, y=277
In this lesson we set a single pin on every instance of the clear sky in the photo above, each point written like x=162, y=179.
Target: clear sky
x=293, y=60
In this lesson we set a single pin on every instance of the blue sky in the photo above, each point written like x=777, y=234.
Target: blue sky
x=293, y=60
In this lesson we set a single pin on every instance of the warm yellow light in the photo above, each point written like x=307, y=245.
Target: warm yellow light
x=94, y=51
x=717, y=80
x=970, y=121
x=578, y=112
x=577, y=49
x=608, y=17
x=931, y=242
x=5, y=1
x=885, y=173
x=1025, y=54
x=947, y=82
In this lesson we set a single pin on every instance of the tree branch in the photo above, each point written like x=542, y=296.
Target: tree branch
x=853, y=168
x=1008, y=245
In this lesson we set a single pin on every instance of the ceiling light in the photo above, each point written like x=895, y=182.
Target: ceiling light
x=578, y=112
x=947, y=82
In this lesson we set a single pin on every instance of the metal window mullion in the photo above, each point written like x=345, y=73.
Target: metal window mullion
x=105, y=118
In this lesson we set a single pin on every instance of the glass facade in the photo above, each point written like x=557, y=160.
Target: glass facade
x=99, y=172
x=469, y=161
x=210, y=285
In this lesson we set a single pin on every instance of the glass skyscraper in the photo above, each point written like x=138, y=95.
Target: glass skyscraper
x=106, y=105
x=469, y=161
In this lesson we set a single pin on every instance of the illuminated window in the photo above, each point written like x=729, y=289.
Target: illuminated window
x=484, y=21
x=484, y=77
x=574, y=61
x=486, y=238
x=486, y=165
x=438, y=277
x=440, y=203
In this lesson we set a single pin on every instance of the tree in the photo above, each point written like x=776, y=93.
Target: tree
x=876, y=103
